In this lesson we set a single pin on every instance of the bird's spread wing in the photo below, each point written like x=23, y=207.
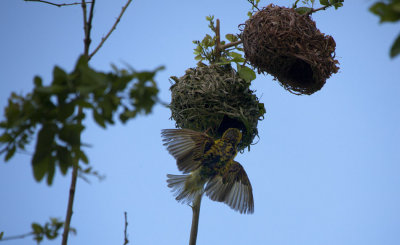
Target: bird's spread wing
x=187, y=147
x=232, y=187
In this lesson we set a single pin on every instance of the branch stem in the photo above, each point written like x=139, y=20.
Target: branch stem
x=55, y=4
x=70, y=204
x=126, y=241
x=72, y=189
x=228, y=45
x=111, y=30
x=218, y=41
x=312, y=10
x=16, y=237
x=195, y=219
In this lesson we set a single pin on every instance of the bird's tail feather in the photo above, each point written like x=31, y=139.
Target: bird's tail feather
x=185, y=187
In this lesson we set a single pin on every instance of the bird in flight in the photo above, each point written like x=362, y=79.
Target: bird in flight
x=208, y=167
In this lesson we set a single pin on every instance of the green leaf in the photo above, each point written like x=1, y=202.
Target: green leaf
x=71, y=133
x=64, y=159
x=6, y=137
x=81, y=155
x=395, y=50
x=99, y=119
x=198, y=57
x=235, y=55
x=50, y=171
x=53, y=89
x=10, y=153
x=65, y=111
x=37, y=81
x=1, y=235
x=231, y=37
x=36, y=228
x=324, y=2
x=386, y=12
x=303, y=10
x=59, y=76
x=84, y=103
x=247, y=74
x=41, y=160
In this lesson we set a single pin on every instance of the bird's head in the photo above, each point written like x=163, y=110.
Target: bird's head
x=232, y=135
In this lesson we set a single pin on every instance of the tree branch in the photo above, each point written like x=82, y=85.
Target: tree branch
x=195, y=219
x=228, y=45
x=312, y=10
x=70, y=204
x=72, y=188
x=55, y=4
x=254, y=5
x=111, y=30
x=16, y=237
x=85, y=25
x=218, y=41
x=126, y=241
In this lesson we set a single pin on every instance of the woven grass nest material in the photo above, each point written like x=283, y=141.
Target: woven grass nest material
x=288, y=45
x=215, y=98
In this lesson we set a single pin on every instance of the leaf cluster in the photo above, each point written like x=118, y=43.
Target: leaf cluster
x=389, y=11
x=49, y=230
x=206, y=51
x=308, y=5
x=59, y=108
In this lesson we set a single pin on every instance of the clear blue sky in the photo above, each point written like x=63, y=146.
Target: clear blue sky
x=325, y=170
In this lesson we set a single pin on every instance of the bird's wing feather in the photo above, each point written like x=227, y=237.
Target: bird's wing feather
x=187, y=147
x=232, y=187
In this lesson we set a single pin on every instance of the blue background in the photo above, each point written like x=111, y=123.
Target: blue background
x=324, y=171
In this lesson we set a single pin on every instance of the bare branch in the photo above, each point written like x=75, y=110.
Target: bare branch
x=228, y=45
x=218, y=41
x=195, y=219
x=88, y=40
x=111, y=30
x=55, y=4
x=70, y=204
x=16, y=237
x=126, y=241
x=312, y=10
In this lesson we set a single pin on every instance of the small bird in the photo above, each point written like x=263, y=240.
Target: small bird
x=208, y=166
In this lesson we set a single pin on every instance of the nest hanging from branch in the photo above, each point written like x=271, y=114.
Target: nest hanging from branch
x=215, y=98
x=288, y=45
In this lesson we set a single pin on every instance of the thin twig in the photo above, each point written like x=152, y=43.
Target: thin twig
x=126, y=241
x=312, y=10
x=55, y=4
x=111, y=30
x=85, y=26
x=254, y=5
x=195, y=219
x=228, y=45
x=89, y=28
x=16, y=237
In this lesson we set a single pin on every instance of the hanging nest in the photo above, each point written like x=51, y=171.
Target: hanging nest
x=288, y=45
x=215, y=98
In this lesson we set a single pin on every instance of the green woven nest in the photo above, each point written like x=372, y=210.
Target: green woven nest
x=288, y=45
x=216, y=98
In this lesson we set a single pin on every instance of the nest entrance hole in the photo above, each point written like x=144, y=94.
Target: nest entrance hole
x=228, y=122
x=300, y=72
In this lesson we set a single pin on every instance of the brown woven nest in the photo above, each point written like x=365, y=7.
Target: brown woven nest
x=215, y=98
x=288, y=45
